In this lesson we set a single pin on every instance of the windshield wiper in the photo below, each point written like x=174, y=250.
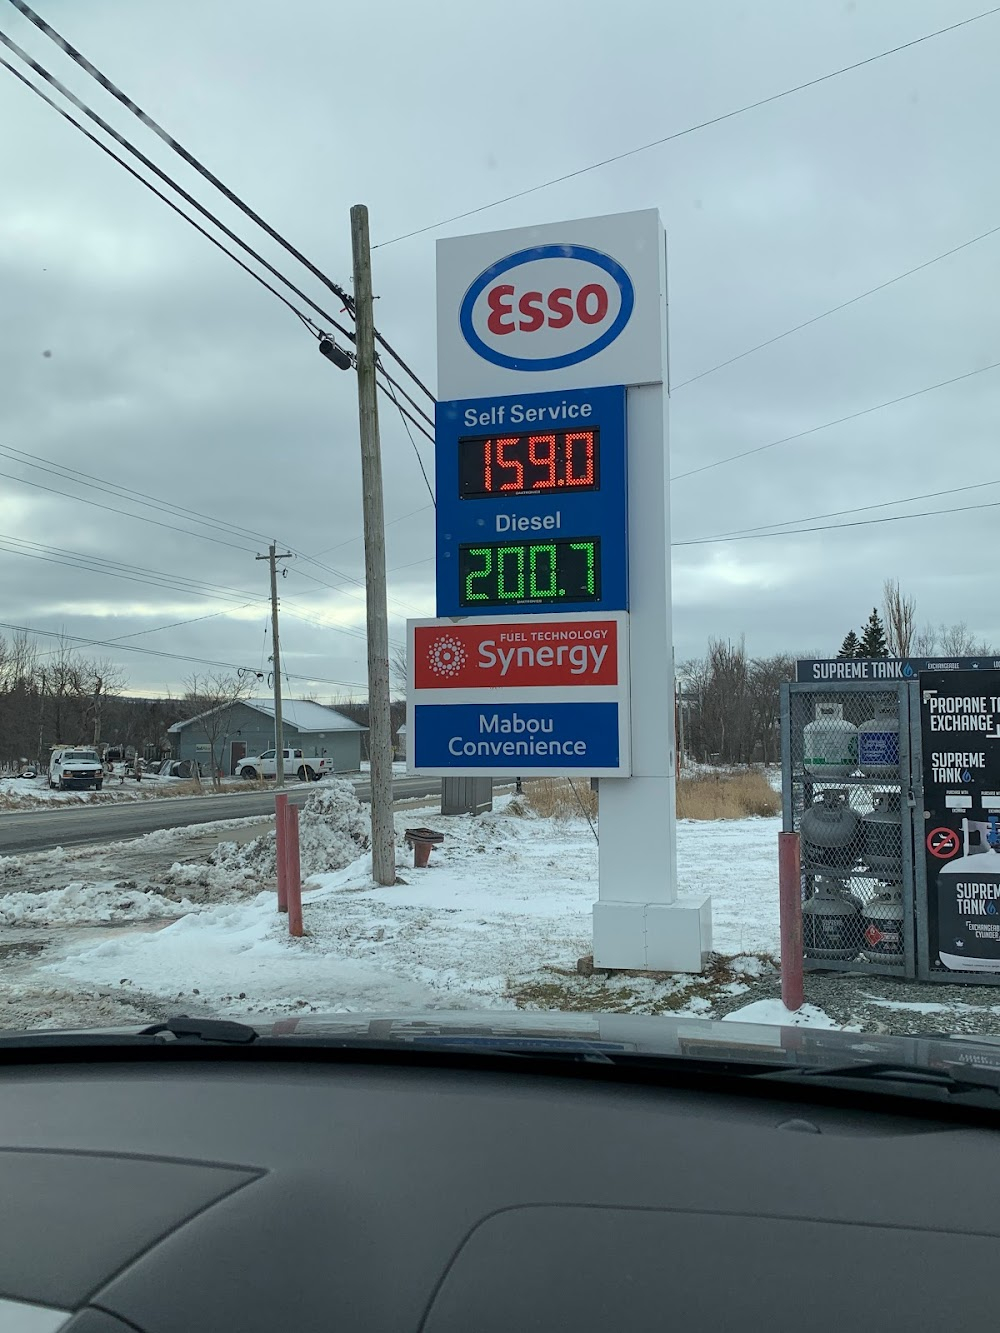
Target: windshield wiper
x=183, y=1028
x=973, y=1078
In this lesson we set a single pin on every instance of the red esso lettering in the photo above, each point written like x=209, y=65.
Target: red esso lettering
x=535, y=310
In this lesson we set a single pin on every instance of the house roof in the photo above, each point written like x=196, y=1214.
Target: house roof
x=306, y=717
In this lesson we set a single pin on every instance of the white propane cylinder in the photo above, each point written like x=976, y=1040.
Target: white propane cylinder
x=829, y=743
x=878, y=744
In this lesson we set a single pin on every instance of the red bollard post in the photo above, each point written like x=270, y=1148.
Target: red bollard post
x=293, y=873
x=281, y=839
x=790, y=917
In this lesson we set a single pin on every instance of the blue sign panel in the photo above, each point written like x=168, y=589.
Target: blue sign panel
x=516, y=737
x=532, y=503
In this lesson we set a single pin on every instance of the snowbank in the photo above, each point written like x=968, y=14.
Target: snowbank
x=79, y=904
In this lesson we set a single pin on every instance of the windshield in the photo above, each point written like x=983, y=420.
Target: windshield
x=615, y=658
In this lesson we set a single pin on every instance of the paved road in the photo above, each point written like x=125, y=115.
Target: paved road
x=40, y=830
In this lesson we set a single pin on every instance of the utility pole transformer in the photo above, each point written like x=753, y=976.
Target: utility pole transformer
x=279, y=736
x=379, y=724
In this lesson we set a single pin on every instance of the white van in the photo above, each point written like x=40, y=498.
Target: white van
x=75, y=766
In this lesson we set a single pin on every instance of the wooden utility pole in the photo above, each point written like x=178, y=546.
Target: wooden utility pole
x=379, y=725
x=279, y=736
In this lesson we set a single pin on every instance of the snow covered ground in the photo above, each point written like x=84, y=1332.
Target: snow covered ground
x=497, y=920
x=185, y=920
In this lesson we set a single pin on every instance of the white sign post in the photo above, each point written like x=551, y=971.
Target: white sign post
x=525, y=317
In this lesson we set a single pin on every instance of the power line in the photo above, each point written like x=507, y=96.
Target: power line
x=39, y=92
x=92, y=482
x=351, y=540
x=839, y=513
x=177, y=657
x=769, y=342
x=833, y=527
x=420, y=461
x=690, y=129
x=156, y=629
x=853, y=416
x=68, y=49
x=162, y=175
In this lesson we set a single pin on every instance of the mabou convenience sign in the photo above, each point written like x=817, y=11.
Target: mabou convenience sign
x=567, y=304
x=520, y=694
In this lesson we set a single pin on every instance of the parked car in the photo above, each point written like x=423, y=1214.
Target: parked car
x=306, y=767
x=72, y=767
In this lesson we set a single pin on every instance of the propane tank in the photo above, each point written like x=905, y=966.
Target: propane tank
x=882, y=926
x=878, y=744
x=882, y=834
x=830, y=832
x=831, y=923
x=829, y=743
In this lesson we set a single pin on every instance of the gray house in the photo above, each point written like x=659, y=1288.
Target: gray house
x=247, y=728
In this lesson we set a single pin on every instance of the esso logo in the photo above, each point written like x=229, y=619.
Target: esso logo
x=547, y=307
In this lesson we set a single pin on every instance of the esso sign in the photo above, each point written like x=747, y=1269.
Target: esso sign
x=547, y=307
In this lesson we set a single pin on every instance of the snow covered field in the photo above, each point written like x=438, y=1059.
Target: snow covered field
x=498, y=919
x=185, y=921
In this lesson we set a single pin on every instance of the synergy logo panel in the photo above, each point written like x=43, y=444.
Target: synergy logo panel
x=531, y=503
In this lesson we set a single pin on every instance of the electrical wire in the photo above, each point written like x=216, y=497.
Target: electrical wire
x=159, y=193
x=381, y=370
x=177, y=657
x=403, y=412
x=81, y=60
x=162, y=175
x=852, y=416
x=855, y=509
x=690, y=129
x=420, y=461
x=833, y=527
x=156, y=629
x=769, y=342
x=92, y=482
x=351, y=540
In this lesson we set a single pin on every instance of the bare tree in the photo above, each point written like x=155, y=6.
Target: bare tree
x=957, y=640
x=398, y=669
x=925, y=641
x=212, y=699
x=900, y=619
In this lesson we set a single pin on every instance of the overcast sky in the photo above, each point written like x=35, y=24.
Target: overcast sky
x=133, y=351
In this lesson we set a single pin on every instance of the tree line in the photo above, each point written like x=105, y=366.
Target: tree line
x=58, y=696
x=729, y=703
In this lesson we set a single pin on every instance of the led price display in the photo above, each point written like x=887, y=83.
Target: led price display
x=552, y=572
x=529, y=463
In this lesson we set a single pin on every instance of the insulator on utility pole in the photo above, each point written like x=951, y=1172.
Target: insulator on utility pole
x=279, y=736
x=379, y=724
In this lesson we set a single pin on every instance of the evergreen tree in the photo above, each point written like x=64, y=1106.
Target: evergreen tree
x=873, y=643
x=851, y=647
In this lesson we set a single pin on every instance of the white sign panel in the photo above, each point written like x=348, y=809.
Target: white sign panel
x=527, y=696
x=571, y=303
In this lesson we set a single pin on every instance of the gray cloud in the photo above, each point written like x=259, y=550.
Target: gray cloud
x=171, y=373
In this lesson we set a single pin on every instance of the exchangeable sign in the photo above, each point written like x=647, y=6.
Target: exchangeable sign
x=531, y=503
x=960, y=731
x=886, y=668
x=573, y=303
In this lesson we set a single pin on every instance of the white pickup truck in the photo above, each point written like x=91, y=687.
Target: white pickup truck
x=306, y=767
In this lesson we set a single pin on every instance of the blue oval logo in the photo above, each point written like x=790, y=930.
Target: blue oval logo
x=574, y=300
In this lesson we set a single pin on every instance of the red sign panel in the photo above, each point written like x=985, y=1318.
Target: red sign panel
x=506, y=654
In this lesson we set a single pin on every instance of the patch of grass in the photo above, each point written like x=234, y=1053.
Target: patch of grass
x=639, y=992
x=555, y=798
x=726, y=795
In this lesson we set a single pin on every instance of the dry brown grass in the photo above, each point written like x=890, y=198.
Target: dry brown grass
x=726, y=796
x=554, y=798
